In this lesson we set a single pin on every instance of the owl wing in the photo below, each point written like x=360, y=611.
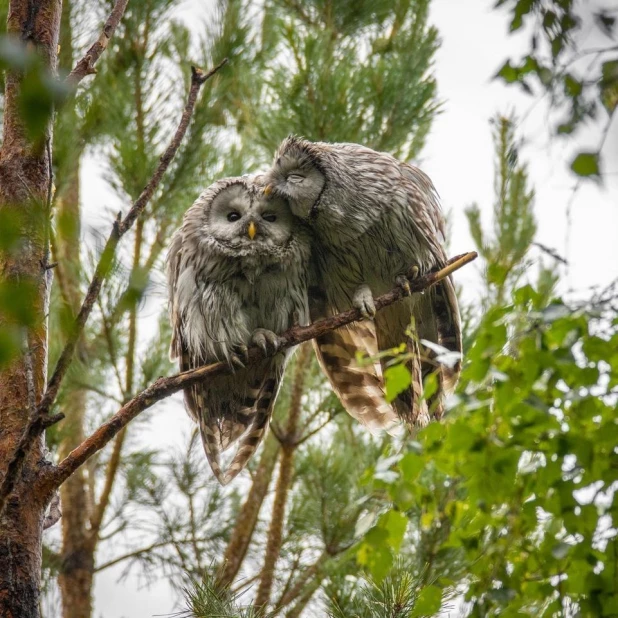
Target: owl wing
x=234, y=409
x=174, y=258
x=448, y=326
x=427, y=215
x=359, y=387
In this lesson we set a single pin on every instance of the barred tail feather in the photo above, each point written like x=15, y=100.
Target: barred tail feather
x=392, y=324
x=359, y=388
x=234, y=410
x=255, y=434
x=211, y=448
x=448, y=325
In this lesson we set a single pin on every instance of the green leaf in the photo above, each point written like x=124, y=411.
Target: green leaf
x=395, y=523
x=18, y=301
x=572, y=86
x=586, y=164
x=509, y=73
x=411, y=466
x=428, y=603
x=523, y=7
x=398, y=379
x=9, y=345
x=609, y=85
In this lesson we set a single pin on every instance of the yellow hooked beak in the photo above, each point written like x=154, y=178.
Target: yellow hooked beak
x=252, y=231
x=268, y=189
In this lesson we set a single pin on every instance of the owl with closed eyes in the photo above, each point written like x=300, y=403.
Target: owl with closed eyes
x=375, y=220
x=237, y=276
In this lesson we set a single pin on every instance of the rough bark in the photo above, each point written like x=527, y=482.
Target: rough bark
x=24, y=185
x=77, y=555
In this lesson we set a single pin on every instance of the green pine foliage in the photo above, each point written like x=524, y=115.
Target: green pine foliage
x=349, y=71
x=505, y=250
x=507, y=505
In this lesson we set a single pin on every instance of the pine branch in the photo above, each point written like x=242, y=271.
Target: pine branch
x=86, y=65
x=119, y=229
x=42, y=420
x=54, y=476
x=146, y=550
x=290, y=595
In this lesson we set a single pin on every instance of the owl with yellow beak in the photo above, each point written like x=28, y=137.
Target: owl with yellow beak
x=237, y=276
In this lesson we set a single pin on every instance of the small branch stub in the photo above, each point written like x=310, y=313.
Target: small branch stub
x=85, y=65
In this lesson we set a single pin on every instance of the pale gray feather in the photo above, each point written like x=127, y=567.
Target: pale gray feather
x=373, y=218
x=223, y=287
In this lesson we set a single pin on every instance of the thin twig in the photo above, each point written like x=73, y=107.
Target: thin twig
x=85, y=66
x=42, y=420
x=111, y=350
x=551, y=252
x=312, y=433
x=164, y=387
x=145, y=550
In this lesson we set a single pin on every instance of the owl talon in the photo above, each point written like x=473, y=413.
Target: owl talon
x=404, y=284
x=266, y=340
x=239, y=356
x=413, y=272
x=363, y=301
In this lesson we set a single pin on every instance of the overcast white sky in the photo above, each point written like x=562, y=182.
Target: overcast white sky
x=459, y=158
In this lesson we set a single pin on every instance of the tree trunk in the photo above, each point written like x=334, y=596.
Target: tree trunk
x=248, y=514
x=284, y=482
x=77, y=554
x=77, y=567
x=24, y=183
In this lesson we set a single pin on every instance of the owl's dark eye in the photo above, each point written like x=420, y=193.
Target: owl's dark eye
x=270, y=217
x=233, y=216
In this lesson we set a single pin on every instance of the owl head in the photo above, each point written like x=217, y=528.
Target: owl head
x=296, y=175
x=242, y=221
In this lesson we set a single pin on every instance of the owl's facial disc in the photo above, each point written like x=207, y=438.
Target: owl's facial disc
x=245, y=222
x=298, y=180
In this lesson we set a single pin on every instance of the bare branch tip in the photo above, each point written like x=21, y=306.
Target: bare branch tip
x=198, y=75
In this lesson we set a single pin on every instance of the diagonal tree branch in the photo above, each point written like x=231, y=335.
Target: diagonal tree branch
x=120, y=228
x=41, y=420
x=86, y=65
x=164, y=387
